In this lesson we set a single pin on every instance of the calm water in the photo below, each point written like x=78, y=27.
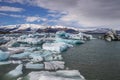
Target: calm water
x=96, y=60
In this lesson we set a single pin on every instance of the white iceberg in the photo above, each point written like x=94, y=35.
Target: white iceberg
x=16, y=72
x=34, y=66
x=54, y=65
x=58, y=75
x=58, y=47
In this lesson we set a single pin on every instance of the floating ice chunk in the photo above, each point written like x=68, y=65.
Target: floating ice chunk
x=3, y=55
x=16, y=62
x=58, y=75
x=15, y=50
x=36, y=57
x=20, y=56
x=34, y=66
x=53, y=57
x=16, y=72
x=58, y=47
x=54, y=65
x=69, y=41
x=62, y=34
x=5, y=62
x=30, y=40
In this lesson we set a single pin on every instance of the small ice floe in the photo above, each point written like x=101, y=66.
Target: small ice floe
x=16, y=62
x=36, y=57
x=34, y=66
x=20, y=56
x=53, y=57
x=58, y=75
x=54, y=65
x=20, y=78
x=15, y=50
x=4, y=55
x=58, y=47
x=16, y=72
x=5, y=62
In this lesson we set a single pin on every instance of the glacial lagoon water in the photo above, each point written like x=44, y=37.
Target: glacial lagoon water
x=96, y=60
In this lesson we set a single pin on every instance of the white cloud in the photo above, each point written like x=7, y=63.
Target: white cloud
x=34, y=18
x=10, y=9
x=13, y=1
x=85, y=12
x=12, y=15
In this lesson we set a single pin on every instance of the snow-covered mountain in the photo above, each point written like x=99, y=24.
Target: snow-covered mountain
x=41, y=28
x=33, y=28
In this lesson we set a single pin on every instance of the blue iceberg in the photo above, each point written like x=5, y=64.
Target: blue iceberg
x=34, y=66
x=3, y=55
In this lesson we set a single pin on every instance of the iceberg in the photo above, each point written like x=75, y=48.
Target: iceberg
x=62, y=34
x=34, y=66
x=15, y=50
x=54, y=65
x=58, y=75
x=16, y=72
x=69, y=41
x=36, y=57
x=4, y=55
x=29, y=40
x=53, y=57
x=20, y=56
x=58, y=47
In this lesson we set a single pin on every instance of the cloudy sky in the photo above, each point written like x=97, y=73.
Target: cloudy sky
x=76, y=13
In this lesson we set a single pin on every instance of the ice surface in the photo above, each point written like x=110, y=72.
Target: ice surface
x=58, y=75
x=29, y=40
x=54, y=65
x=69, y=41
x=17, y=71
x=34, y=66
x=62, y=34
x=3, y=55
x=36, y=57
x=58, y=47
x=5, y=62
x=20, y=56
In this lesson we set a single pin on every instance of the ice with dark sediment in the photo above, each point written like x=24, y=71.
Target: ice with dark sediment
x=54, y=65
